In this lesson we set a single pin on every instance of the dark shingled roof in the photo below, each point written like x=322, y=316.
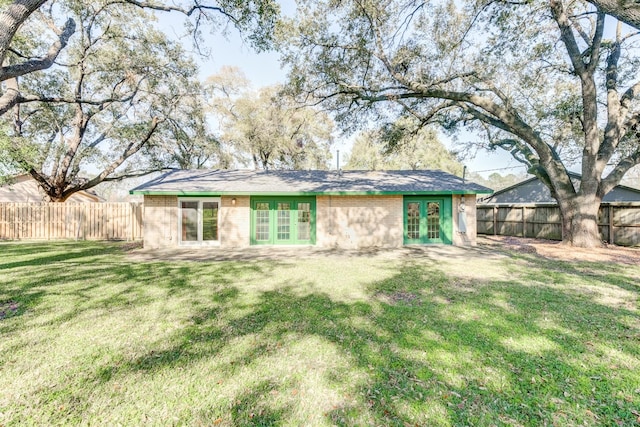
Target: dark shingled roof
x=289, y=182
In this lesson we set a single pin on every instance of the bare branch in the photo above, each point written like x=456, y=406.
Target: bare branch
x=129, y=151
x=136, y=174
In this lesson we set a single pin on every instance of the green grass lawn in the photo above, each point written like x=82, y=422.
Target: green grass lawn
x=88, y=336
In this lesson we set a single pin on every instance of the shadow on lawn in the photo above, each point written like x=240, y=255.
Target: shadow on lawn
x=436, y=351
x=77, y=271
x=28, y=280
x=40, y=254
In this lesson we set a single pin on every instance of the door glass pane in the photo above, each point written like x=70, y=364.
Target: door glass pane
x=262, y=221
x=304, y=221
x=283, y=221
x=413, y=220
x=433, y=220
x=189, y=226
x=210, y=221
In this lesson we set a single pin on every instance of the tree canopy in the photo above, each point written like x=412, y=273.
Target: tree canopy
x=266, y=128
x=97, y=107
x=255, y=18
x=85, y=96
x=541, y=79
x=393, y=147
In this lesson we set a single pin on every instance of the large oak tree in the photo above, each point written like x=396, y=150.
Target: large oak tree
x=255, y=18
x=541, y=79
x=88, y=95
x=114, y=89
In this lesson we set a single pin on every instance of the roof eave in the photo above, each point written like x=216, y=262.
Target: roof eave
x=305, y=193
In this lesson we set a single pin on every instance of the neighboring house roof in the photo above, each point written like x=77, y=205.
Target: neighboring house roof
x=288, y=182
x=533, y=190
x=24, y=189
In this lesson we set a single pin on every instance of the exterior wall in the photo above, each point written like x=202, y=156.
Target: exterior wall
x=467, y=238
x=341, y=221
x=160, y=221
x=235, y=222
x=359, y=221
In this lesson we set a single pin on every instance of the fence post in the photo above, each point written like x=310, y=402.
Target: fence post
x=495, y=220
x=524, y=221
x=611, y=227
x=132, y=216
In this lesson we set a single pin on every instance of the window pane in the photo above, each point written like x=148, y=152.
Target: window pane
x=304, y=221
x=283, y=221
x=210, y=221
x=262, y=221
x=433, y=220
x=189, y=221
x=413, y=220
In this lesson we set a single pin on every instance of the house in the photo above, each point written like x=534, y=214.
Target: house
x=25, y=189
x=351, y=209
x=534, y=191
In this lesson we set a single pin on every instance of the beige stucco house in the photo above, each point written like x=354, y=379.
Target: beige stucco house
x=25, y=189
x=351, y=209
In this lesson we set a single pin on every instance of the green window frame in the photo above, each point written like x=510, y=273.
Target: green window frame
x=283, y=220
x=427, y=220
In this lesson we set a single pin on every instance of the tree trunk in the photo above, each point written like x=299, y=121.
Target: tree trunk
x=580, y=221
x=57, y=196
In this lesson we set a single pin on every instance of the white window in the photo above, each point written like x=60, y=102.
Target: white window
x=198, y=221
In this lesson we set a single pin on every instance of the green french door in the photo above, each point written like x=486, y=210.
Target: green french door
x=283, y=221
x=427, y=220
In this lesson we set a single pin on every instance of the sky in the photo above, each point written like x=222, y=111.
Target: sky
x=264, y=69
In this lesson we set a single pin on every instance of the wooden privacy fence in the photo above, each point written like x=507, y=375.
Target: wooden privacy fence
x=619, y=222
x=85, y=221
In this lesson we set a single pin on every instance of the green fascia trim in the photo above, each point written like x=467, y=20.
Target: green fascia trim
x=303, y=193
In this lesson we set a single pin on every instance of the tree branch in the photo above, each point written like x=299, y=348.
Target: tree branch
x=517, y=148
x=614, y=113
x=11, y=71
x=567, y=36
x=627, y=11
x=130, y=150
x=23, y=99
x=12, y=17
x=135, y=174
x=186, y=11
x=596, y=43
x=618, y=172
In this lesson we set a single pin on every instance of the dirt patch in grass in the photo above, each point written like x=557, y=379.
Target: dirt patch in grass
x=395, y=298
x=8, y=309
x=130, y=246
x=556, y=250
